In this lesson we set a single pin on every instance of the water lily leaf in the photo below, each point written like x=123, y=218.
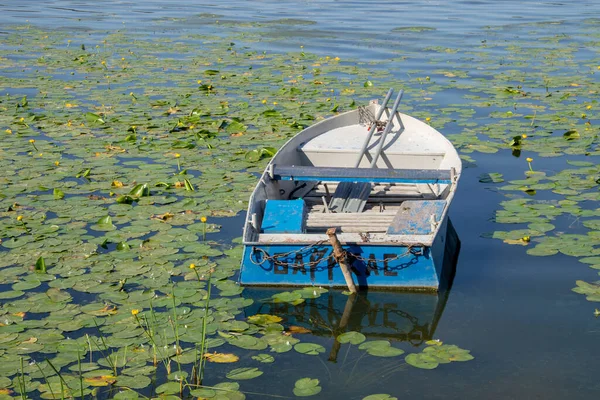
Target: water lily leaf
x=311, y=349
x=244, y=373
x=297, y=329
x=140, y=190
x=221, y=357
x=312, y=292
x=100, y=380
x=590, y=260
x=380, y=348
x=247, y=342
x=492, y=177
x=287, y=297
x=264, y=319
x=170, y=388
x=571, y=135
x=281, y=347
x=99, y=309
x=125, y=199
x=40, y=266
x=58, y=295
x=223, y=390
x=84, y=173
x=307, y=387
x=592, y=224
x=541, y=227
x=188, y=185
x=58, y=194
x=133, y=382
x=106, y=220
x=591, y=290
x=93, y=118
x=419, y=360
x=26, y=285
x=541, y=250
x=264, y=358
x=379, y=396
x=351, y=337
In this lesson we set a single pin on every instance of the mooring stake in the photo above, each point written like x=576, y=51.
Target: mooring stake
x=340, y=257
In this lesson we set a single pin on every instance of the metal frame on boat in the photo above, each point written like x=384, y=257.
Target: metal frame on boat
x=383, y=179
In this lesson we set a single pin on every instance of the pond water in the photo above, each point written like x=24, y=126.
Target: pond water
x=485, y=72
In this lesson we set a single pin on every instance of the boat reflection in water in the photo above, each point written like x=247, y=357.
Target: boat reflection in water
x=398, y=316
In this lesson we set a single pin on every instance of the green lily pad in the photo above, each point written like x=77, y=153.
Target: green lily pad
x=133, y=382
x=420, y=360
x=380, y=348
x=311, y=349
x=351, y=337
x=244, y=373
x=307, y=387
x=169, y=388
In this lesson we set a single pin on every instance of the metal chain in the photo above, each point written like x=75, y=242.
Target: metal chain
x=276, y=259
x=408, y=251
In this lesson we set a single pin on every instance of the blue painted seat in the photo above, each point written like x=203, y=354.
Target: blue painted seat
x=284, y=216
x=414, y=217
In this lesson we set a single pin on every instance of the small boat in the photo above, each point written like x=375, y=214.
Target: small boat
x=400, y=317
x=382, y=179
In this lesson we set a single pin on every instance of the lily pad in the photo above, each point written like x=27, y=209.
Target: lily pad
x=244, y=373
x=351, y=337
x=311, y=349
x=307, y=387
x=380, y=348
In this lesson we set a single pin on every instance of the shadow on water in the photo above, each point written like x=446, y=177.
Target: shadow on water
x=410, y=317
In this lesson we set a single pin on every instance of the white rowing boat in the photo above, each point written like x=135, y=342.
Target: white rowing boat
x=383, y=179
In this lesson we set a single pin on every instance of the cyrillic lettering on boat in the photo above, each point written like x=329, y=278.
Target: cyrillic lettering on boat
x=386, y=267
x=299, y=265
x=372, y=265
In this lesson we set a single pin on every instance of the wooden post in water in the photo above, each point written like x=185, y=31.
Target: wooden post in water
x=340, y=257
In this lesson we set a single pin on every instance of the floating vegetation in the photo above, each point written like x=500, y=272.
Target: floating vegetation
x=573, y=192
x=437, y=353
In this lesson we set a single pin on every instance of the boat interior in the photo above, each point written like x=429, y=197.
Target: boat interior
x=372, y=185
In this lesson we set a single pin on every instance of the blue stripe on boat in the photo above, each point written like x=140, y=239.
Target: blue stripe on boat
x=341, y=174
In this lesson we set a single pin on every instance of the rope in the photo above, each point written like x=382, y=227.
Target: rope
x=366, y=117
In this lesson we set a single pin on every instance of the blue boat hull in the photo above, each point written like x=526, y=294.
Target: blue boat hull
x=373, y=266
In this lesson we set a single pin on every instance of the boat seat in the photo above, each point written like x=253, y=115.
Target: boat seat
x=343, y=174
x=417, y=217
x=284, y=216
